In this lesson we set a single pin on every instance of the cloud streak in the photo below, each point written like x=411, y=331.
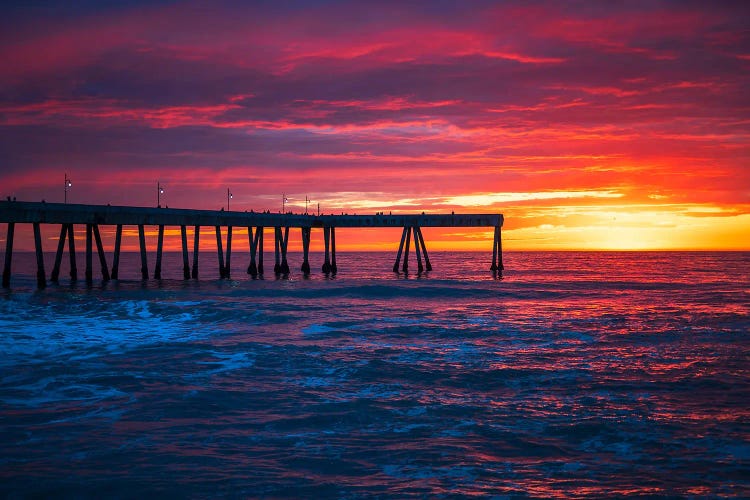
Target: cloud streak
x=411, y=106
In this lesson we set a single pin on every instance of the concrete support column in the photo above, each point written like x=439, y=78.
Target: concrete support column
x=334, y=267
x=327, y=243
x=252, y=268
x=500, y=266
x=196, y=239
x=116, y=259
x=400, y=251
x=100, y=251
x=8, y=254
x=41, y=277
x=185, y=259
x=89, y=272
x=228, y=258
x=142, y=244
x=284, y=243
x=406, y=250
x=58, y=255
x=277, y=250
x=159, y=251
x=417, y=250
x=427, y=264
x=306, y=231
x=220, y=252
x=497, y=251
x=72, y=254
x=259, y=235
x=493, y=267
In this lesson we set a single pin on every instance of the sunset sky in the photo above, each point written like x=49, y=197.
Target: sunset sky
x=589, y=125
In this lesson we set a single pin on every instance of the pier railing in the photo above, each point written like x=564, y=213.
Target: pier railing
x=93, y=216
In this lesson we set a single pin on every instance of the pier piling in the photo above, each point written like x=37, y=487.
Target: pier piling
x=497, y=251
x=100, y=251
x=334, y=267
x=116, y=258
x=327, y=244
x=72, y=254
x=284, y=243
x=406, y=250
x=228, y=255
x=89, y=255
x=58, y=255
x=277, y=250
x=400, y=251
x=142, y=244
x=417, y=250
x=260, y=249
x=252, y=268
x=427, y=264
x=185, y=259
x=41, y=277
x=159, y=251
x=493, y=267
x=196, y=238
x=306, y=233
x=500, y=266
x=8, y=254
x=220, y=252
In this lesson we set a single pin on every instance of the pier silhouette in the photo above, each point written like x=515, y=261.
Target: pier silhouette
x=94, y=216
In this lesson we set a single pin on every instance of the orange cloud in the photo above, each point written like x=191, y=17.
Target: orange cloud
x=573, y=122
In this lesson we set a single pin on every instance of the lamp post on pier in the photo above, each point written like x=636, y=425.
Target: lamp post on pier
x=284, y=200
x=229, y=197
x=68, y=185
x=159, y=192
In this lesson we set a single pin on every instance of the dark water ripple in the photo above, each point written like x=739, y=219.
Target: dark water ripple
x=577, y=375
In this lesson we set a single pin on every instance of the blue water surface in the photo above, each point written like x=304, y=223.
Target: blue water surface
x=574, y=374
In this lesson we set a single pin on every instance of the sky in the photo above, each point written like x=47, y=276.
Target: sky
x=589, y=125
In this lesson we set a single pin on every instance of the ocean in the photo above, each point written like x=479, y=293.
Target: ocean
x=575, y=374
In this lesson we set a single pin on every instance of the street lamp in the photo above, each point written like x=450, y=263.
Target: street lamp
x=68, y=185
x=159, y=192
x=307, y=200
x=284, y=199
x=229, y=197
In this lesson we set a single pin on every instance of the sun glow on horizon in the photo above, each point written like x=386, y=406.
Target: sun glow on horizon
x=493, y=109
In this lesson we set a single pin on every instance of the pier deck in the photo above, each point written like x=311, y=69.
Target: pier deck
x=93, y=216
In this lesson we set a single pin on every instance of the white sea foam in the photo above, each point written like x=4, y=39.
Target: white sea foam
x=138, y=308
x=44, y=330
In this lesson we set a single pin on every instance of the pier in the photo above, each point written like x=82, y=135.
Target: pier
x=94, y=216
